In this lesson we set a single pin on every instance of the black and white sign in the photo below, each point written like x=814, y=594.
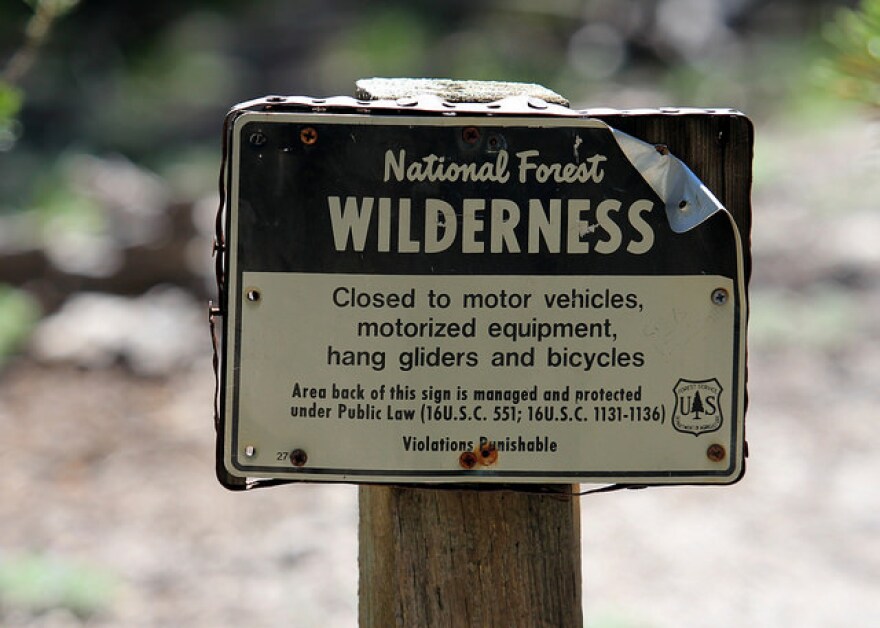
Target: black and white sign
x=448, y=299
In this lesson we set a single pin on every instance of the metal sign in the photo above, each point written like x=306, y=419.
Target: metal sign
x=429, y=298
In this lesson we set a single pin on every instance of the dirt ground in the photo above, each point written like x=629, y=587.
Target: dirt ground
x=110, y=514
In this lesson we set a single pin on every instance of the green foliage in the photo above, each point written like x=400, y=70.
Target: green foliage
x=36, y=584
x=10, y=101
x=61, y=206
x=18, y=315
x=35, y=34
x=393, y=39
x=10, y=104
x=854, y=69
x=386, y=41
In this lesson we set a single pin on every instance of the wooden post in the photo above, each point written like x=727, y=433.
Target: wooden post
x=435, y=557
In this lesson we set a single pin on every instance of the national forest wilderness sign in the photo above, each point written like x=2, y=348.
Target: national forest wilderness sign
x=429, y=298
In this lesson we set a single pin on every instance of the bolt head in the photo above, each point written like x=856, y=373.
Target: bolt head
x=719, y=296
x=467, y=460
x=716, y=453
x=308, y=135
x=470, y=134
x=298, y=458
x=488, y=454
x=257, y=139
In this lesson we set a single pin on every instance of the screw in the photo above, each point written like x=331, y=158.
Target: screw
x=250, y=451
x=308, y=136
x=253, y=295
x=298, y=458
x=716, y=453
x=719, y=296
x=257, y=139
x=663, y=149
x=470, y=134
x=489, y=454
x=468, y=460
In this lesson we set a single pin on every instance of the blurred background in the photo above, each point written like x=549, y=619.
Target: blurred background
x=110, y=120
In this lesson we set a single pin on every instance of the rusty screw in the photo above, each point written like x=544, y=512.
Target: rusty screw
x=470, y=134
x=308, y=135
x=298, y=458
x=663, y=149
x=467, y=460
x=716, y=453
x=488, y=454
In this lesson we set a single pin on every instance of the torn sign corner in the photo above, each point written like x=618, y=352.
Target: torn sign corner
x=688, y=201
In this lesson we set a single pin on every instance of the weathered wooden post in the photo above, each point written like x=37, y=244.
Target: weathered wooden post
x=469, y=558
x=468, y=300
x=465, y=557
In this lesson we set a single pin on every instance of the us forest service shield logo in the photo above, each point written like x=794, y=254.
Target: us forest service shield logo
x=697, y=406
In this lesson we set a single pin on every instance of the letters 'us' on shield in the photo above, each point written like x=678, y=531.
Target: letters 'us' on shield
x=426, y=292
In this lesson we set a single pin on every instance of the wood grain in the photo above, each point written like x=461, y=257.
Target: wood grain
x=489, y=558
